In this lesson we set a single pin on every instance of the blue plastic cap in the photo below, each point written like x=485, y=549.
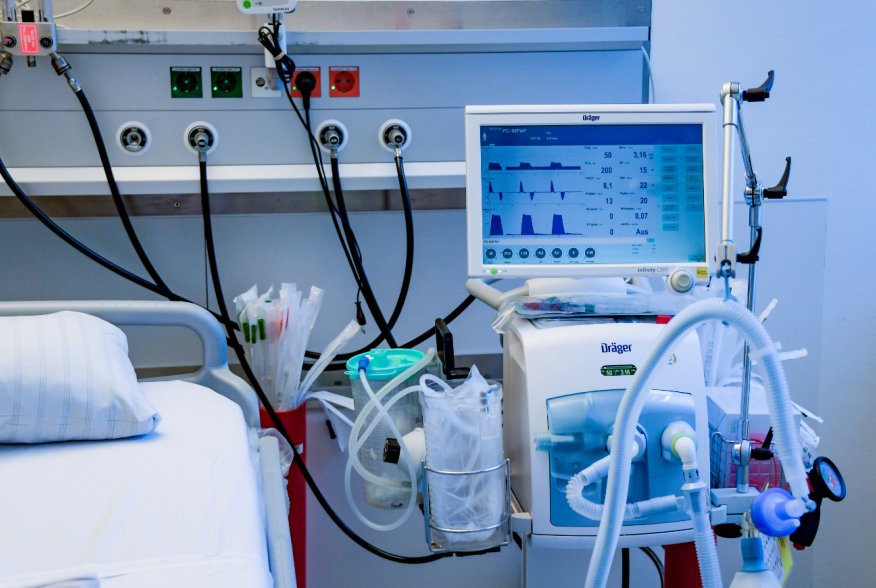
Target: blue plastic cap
x=363, y=362
x=769, y=513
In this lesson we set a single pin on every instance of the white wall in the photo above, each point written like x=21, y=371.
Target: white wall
x=821, y=114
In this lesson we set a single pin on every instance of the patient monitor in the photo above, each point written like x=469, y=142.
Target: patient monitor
x=590, y=192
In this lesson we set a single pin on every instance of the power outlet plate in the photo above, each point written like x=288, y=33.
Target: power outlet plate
x=264, y=83
x=186, y=82
x=226, y=82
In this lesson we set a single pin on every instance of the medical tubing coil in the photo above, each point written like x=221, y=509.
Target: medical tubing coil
x=391, y=385
x=356, y=443
x=406, y=458
x=778, y=401
x=591, y=510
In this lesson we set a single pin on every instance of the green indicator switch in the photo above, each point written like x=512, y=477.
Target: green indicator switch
x=185, y=82
x=247, y=4
x=226, y=82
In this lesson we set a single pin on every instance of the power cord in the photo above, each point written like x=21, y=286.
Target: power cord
x=367, y=292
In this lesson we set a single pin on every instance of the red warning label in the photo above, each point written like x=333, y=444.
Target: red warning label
x=29, y=37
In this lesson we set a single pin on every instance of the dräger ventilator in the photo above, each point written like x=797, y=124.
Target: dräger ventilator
x=605, y=418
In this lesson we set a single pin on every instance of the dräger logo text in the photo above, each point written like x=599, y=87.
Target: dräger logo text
x=591, y=117
x=620, y=349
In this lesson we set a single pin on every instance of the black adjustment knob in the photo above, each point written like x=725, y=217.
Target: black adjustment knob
x=391, y=450
x=762, y=92
x=780, y=190
x=764, y=453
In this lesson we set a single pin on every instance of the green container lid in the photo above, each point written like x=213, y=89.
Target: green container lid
x=385, y=363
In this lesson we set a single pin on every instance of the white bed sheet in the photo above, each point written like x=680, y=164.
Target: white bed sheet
x=179, y=507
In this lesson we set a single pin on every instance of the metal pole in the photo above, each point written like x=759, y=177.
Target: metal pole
x=46, y=11
x=728, y=97
x=9, y=10
x=742, y=472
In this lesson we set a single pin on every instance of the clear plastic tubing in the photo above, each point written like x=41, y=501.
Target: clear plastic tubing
x=406, y=457
x=356, y=444
x=623, y=446
x=353, y=455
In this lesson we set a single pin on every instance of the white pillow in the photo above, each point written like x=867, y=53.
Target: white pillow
x=66, y=376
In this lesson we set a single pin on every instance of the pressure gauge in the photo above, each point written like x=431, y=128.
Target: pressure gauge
x=826, y=480
x=266, y=6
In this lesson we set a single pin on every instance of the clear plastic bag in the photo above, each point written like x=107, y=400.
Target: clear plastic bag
x=465, y=463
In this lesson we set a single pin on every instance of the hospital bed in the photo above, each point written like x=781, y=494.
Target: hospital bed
x=200, y=501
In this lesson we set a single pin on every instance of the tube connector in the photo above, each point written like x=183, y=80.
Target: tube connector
x=669, y=439
x=63, y=68
x=5, y=62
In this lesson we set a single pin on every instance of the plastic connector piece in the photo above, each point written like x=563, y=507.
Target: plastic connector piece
x=391, y=450
x=670, y=436
x=364, y=362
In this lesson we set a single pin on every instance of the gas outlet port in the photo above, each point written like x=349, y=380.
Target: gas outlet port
x=201, y=135
x=332, y=134
x=134, y=138
x=394, y=133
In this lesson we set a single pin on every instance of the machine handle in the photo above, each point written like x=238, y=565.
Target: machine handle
x=780, y=190
x=762, y=92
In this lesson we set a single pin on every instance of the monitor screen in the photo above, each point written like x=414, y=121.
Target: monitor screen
x=627, y=195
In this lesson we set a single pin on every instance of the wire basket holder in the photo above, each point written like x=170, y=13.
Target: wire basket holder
x=502, y=535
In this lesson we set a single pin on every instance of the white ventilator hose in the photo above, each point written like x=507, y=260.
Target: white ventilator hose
x=592, y=510
x=697, y=493
x=353, y=454
x=778, y=402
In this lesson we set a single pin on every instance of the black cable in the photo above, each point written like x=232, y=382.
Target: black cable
x=409, y=239
x=116, y=194
x=269, y=37
x=367, y=292
x=316, y=153
x=247, y=369
x=625, y=568
x=655, y=559
x=41, y=216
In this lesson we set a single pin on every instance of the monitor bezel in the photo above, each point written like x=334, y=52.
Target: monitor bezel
x=588, y=114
